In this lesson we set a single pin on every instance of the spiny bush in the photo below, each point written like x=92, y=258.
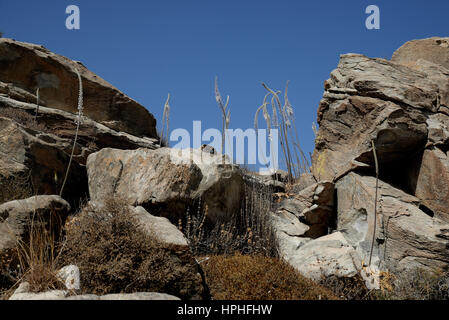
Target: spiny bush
x=248, y=232
x=115, y=255
x=241, y=277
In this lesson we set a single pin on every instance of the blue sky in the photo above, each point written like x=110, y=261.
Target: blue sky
x=150, y=48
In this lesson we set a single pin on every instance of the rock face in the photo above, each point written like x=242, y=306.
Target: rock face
x=27, y=67
x=40, y=149
x=434, y=50
x=16, y=217
x=165, y=181
x=402, y=107
x=406, y=237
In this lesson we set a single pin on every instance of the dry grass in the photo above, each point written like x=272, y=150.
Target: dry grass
x=241, y=277
x=249, y=232
x=34, y=259
x=116, y=256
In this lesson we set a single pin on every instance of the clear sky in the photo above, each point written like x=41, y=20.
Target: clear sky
x=150, y=48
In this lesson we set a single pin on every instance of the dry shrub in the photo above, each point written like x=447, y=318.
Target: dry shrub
x=242, y=277
x=115, y=255
x=15, y=188
x=418, y=284
x=346, y=288
x=22, y=117
x=248, y=232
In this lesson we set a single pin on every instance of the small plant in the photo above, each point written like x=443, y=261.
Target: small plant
x=165, y=122
x=78, y=122
x=240, y=277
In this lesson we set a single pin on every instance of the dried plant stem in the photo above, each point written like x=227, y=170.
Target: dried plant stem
x=37, y=104
x=375, y=202
x=80, y=114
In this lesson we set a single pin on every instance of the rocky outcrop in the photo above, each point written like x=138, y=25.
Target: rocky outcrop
x=400, y=106
x=25, y=67
x=40, y=148
x=23, y=293
x=406, y=237
x=17, y=216
x=435, y=50
x=166, y=181
x=330, y=255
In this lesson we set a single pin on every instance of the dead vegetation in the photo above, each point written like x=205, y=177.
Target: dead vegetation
x=249, y=232
x=242, y=277
x=115, y=255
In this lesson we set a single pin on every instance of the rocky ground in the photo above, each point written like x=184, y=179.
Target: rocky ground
x=136, y=221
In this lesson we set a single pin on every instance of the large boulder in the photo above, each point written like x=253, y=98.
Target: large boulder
x=166, y=181
x=16, y=217
x=371, y=99
x=326, y=256
x=434, y=50
x=406, y=236
x=29, y=67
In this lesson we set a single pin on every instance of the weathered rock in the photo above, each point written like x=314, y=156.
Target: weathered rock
x=161, y=227
x=23, y=293
x=430, y=182
x=28, y=66
x=330, y=255
x=42, y=158
x=70, y=275
x=406, y=237
x=165, y=181
x=304, y=181
x=434, y=50
x=41, y=150
x=16, y=217
x=344, y=139
x=374, y=99
x=313, y=207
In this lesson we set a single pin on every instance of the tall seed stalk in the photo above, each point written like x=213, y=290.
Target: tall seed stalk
x=165, y=120
x=79, y=118
x=226, y=115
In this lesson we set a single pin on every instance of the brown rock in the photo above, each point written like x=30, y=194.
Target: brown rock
x=28, y=66
x=430, y=181
x=434, y=50
x=167, y=182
